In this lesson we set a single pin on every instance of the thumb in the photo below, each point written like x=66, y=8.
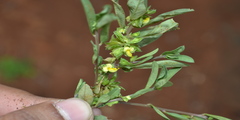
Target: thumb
x=70, y=109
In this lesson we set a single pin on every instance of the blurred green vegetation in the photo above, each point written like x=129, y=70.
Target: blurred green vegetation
x=12, y=68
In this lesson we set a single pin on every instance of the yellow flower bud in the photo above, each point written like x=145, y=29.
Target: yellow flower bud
x=109, y=68
x=146, y=20
x=128, y=51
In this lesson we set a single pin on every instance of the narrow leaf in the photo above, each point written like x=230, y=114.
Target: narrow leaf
x=95, y=53
x=176, y=51
x=120, y=13
x=106, y=19
x=157, y=31
x=141, y=92
x=161, y=63
x=169, y=14
x=162, y=82
x=178, y=116
x=105, y=33
x=79, y=86
x=106, y=9
x=153, y=75
x=184, y=58
x=90, y=14
x=148, y=54
x=216, y=117
x=159, y=112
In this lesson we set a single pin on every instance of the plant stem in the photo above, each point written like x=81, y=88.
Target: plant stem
x=167, y=110
x=96, y=36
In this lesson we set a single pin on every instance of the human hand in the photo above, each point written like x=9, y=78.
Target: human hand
x=19, y=105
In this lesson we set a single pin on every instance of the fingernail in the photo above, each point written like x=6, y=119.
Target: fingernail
x=74, y=109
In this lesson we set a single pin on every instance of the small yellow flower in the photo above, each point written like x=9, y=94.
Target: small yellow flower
x=128, y=51
x=146, y=20
x=109, y=68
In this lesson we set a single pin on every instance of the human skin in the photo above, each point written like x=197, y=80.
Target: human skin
x=17, y=104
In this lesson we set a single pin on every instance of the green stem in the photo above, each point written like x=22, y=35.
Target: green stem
x=167, y=110
x=96, y=36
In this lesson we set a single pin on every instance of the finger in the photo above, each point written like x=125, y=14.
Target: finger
x=70, y=109
x=12, y=99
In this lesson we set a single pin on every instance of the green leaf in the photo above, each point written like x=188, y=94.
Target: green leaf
x=118, y=52
x=168, y=84
x=106, y=19
x=124, y=62
x=163, y=72
x=159, y=112
x=153, y=75
x=79, y=86
x=104, y=34
x=161, y=63
x=135, y=40
x=148, y=54
x=162, y=82
x=156, y=31
x=137, y=8
x=106, y=9
x=216, y=117
x=100, y=117
x=86, y=93
x=178, y=116
x=148, y=39
x=95, y=52
x=176, y=51
x=144, y=60
x=114, y=93
x=120, y=13
x=90, y=14
x=103, y=98
x=183, y=58
x=141, y=92
x=169, y=15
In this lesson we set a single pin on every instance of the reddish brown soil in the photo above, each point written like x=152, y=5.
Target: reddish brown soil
x=54, y=35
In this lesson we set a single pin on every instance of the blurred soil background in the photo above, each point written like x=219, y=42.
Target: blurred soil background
x=53, y=36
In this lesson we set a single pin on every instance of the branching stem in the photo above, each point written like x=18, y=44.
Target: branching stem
x=167, y=110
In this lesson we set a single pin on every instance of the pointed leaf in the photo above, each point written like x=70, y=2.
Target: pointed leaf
x=114, y=93
x=161, y=63
x=90, y=14
x=148, y=54
x=95, y=52
x=104, y=35
x=79, y=86
x=153, y=75
x=159, y=112
x=86, y=94
x=120, y=13
x=156, y=31
x=106, y=19
x=169, y=15
x=183, y=58
x=162, y=82
x=137, y=8
x=178, y=116
x=104, y=98
x=216, y=117
x=176, y=51
x=141, y=92
x=106, y=9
